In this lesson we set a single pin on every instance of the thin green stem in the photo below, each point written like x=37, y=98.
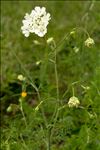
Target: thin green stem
x=56, y=112
x=56, y=76
x=44, y=64
x=73, y=92
x=42, y=110
x=21, y=108
x=48, y=143
x=55, y=120
x=24, y=144
x=84, y=30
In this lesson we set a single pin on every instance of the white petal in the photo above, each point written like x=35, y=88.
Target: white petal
x=26, y=34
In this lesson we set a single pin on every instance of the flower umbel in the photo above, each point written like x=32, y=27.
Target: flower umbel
x=89, y=42
x=36, y=22
x=73, y=102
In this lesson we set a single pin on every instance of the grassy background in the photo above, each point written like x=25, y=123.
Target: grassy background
x=18, y=52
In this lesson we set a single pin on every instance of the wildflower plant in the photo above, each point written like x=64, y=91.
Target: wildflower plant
x=49, y=113
x=36, y=22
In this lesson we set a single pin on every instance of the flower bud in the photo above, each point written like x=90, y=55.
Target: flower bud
x=76, y=49
x=12, y=108
x=89, y=42
x=36, y=42
x=73, y=102
x=20, y=77
x=72, y=32
x=85, y=87
x=9, y=109
x=50, y=40
x=38, y=62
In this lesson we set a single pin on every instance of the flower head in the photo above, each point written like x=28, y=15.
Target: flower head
x=23, y=94
x=89, y=42
x=73, y=102
x=36, y=22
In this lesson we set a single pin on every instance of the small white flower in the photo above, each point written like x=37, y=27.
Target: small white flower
x=73, y=102
x=20, y=77
x=89, y=42
x=36, y=22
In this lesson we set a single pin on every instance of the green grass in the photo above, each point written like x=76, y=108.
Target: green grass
x=74, y=128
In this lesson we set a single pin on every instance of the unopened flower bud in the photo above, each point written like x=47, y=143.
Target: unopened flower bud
x=9, y=109
x=85, y=87
x=20, y=77
x=72, y=32
x=36, y=42
x=73, y=102
x=76, y=49
x=50, y=40
x=38, y=62
x=89, y=42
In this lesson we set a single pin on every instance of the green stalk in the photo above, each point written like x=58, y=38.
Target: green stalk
x=21, y=108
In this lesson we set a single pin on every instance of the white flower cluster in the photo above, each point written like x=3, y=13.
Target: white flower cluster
x=73, y=102
x=36, y=22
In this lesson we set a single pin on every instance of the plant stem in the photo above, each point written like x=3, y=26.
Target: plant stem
x=48, y=144
x=56, y=76
x=21, y=108
x=56, y=112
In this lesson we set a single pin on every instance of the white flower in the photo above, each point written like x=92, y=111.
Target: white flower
x=73, y=102
x=20, y=77
x=89, y=42
x=36, y=22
